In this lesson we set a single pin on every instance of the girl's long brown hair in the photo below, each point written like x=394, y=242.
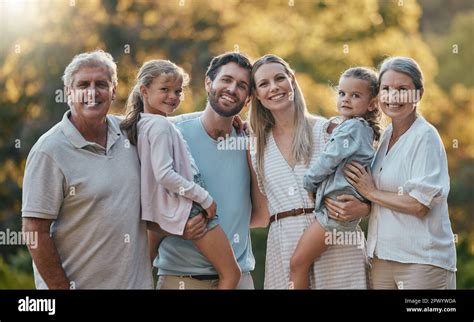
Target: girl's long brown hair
x=147, y=73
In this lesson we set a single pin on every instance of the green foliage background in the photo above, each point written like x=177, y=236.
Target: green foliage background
x=319, y=39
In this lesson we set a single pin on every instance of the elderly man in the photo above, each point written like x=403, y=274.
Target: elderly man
x=81, y=191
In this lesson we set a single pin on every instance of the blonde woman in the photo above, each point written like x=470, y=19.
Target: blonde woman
x=287, y=140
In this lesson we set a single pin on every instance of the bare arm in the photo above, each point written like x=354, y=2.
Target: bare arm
x=260, y=216
x=363, y=182
x=45, y=255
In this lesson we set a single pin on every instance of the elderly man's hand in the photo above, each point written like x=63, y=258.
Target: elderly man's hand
x=195, y=228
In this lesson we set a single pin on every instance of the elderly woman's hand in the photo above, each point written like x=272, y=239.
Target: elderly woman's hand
x=360, y=179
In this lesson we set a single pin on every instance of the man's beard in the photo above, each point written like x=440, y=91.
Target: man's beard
x=214, y=102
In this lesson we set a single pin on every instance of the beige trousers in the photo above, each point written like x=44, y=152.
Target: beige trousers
x=386, y=274
x=171, y=282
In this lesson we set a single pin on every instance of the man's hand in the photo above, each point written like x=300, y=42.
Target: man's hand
x=195, y=228
x=45, y=255
x=346, y=208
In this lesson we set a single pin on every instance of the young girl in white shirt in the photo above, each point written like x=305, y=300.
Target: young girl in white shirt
x=172, y=190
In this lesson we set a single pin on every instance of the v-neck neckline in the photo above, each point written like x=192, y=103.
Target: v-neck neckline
x=388, y=152
x=281, y=154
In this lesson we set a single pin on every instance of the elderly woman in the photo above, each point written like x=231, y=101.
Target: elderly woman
x=81, y=191
x=287, y=139
x=410, y=239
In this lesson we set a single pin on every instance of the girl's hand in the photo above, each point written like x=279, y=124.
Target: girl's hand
x=346, y=208
x=360, y=179
x=211, y=211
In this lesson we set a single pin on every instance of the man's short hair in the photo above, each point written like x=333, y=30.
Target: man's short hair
x=225, y=58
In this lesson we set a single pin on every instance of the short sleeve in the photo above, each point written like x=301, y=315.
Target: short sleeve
x=429, y=183
x=43, y=187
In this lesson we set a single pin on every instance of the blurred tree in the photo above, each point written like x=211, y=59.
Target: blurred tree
x=320, y=39
x=13, y=279
x=455, y=51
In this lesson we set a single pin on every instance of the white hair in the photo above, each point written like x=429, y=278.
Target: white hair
x=405, y=65
x=97, y=58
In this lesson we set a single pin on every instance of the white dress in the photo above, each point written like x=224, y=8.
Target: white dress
x=340, y=266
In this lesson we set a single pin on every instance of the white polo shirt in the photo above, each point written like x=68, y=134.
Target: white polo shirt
x=92, y=195
x=416, y=165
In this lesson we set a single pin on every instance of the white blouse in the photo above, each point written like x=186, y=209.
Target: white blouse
x=416, y=165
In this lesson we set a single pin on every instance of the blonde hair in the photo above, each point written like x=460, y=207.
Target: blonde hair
x=147, y=73
x=262, y=120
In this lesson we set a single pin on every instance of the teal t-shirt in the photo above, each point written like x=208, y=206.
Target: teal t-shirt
x=227, y=178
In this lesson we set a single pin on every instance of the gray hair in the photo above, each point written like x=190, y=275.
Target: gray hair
x=405, y=65
x=97, y=58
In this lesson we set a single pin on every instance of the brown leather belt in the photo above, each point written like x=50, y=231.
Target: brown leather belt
x=291, y=213
x=205, y=277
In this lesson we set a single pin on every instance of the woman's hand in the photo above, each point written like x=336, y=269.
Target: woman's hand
x=346, y=208
x=312, y=196
x=240, y=125
x=360, y=179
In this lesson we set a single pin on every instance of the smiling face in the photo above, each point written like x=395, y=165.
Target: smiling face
x=354, y=97
x=398, y=95
x=163, y=95
x=228, y=93
x=91, y=93
x=274, y=87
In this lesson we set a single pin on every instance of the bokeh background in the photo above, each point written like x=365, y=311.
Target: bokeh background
x=320, y=39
